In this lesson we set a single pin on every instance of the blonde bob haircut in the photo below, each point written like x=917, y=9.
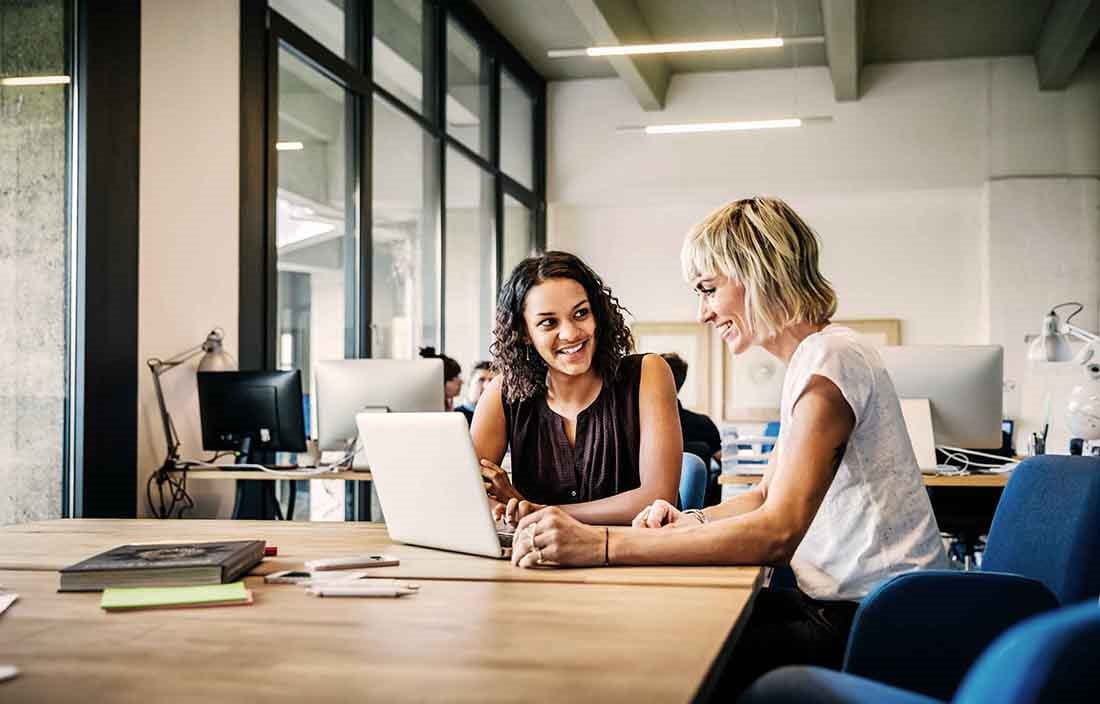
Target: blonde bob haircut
x=762, y=244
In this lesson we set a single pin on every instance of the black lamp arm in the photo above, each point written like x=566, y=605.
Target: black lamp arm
x=158, y=367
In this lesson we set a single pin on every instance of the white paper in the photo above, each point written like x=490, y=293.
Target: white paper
x=6, y=600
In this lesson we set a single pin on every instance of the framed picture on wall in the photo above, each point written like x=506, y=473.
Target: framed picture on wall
x=879, y=332
x=752, y=383
x=690, y=341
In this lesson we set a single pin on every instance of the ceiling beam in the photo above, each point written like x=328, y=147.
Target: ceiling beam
x=1068, y=31
x=615, y=22
x=844, y=45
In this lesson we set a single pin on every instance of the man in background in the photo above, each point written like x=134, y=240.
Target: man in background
x=701, y=436
x=480, y=376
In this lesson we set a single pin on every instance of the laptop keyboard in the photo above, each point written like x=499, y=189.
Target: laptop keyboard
x=505, y=539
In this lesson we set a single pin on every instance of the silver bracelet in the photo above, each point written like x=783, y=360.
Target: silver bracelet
x=698, y=513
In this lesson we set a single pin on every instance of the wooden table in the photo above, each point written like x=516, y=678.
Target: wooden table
x=51, y=545
x=969, y=480
x=484, y=639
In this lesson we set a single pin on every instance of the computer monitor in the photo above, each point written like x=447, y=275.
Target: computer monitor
x=963, y=384
x=344, y=387
x=249, y=412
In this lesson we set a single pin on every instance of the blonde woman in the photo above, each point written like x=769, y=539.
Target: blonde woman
x=842, y=501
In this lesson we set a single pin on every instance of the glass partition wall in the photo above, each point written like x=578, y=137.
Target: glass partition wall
x=404, y=158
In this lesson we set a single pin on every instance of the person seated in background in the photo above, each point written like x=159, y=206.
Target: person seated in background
x=452, y=376
x=842, y=501
x=701, y=439
x=701, y=436
x=591, y=428
x=480, y=375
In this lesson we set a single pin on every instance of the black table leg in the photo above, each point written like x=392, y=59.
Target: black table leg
x=256, y=500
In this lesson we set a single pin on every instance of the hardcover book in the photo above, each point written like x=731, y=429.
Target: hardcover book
x=163, y=565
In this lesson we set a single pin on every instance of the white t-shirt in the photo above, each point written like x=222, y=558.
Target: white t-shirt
x=876, y=520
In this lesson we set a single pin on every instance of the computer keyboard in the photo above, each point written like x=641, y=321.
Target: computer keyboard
x=505, y=538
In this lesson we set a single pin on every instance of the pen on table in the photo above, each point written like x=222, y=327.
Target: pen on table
x=358, y=590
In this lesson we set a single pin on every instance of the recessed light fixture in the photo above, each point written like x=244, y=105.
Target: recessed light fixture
x=289, y=146
x=690, y=127
x=35, y=81
x=683, y=47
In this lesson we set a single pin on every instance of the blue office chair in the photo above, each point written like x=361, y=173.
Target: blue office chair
x=1046, y=659
x=693, y=481
x=921, y=631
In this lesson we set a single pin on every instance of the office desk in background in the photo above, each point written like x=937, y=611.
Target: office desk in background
x=969, y=480
x=506, y=635
x=242, y=509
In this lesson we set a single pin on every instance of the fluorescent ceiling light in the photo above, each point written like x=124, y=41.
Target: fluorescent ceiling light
x=727, y=126
x=289, y=146
x=682, y=47
x=35, y=81
x=723, y=126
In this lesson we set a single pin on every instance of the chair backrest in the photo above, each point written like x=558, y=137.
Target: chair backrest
x=1046, y=659
x=1047, y=526
x=923, y=630
x=771, y=430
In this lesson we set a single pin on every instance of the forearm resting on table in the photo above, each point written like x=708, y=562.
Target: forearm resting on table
x=738, y=505
x=755, y=538
x=617, y=510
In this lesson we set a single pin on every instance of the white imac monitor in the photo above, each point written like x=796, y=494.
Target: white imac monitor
x=344, y=387
x=963, y=384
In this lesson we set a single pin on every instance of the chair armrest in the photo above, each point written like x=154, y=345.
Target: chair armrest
x=800, y=684
x=921, y=631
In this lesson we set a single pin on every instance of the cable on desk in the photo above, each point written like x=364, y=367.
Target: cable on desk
x=174, y=475
x=961, y=456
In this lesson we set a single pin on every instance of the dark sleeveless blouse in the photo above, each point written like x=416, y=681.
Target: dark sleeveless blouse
x=604, y=461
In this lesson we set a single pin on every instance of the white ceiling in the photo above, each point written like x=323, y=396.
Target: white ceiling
x=889, y=30
x=895, y=30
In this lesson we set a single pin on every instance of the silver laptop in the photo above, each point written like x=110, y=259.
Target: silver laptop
x=429, y=482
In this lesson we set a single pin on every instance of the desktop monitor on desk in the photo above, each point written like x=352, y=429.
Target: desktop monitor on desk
x=345, y=387
x=250, y=412
x=963, y=384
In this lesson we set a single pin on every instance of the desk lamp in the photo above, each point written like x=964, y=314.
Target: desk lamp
x=215, y=359
x=1052, y=345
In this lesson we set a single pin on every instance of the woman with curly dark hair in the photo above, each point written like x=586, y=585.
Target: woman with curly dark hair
x=592, y=428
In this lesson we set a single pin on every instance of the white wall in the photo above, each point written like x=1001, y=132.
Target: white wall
x=189, y=215
x=896, y=185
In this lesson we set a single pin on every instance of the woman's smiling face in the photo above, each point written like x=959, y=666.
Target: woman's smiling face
x=722, y=304
x=561, y=325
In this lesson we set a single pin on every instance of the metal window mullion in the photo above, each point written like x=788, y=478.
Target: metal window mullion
x=470, y=154
x=366, y=188
x=438, y=18
x=270, y=250
x=316, y=54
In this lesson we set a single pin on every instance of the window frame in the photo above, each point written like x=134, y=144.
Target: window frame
x=263, y=33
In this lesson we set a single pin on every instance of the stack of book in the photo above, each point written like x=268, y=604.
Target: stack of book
x=164, y=575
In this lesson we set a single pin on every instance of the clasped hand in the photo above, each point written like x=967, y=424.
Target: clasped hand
x=550, y=537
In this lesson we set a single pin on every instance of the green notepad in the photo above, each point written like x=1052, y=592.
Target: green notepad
x=122, y=599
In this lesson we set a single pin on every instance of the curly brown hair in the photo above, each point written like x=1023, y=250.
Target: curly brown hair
x=522, y=369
